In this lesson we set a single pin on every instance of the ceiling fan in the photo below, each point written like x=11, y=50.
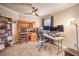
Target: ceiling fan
x=34, y=12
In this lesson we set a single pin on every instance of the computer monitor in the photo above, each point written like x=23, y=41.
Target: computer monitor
x=60, y=28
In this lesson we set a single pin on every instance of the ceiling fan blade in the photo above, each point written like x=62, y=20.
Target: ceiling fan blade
x=33, y=12
x=33, y=7
x=36, y=10
x=27, y=13
x=37, y=15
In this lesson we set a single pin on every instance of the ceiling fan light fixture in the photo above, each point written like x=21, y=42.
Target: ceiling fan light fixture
x=33, y=13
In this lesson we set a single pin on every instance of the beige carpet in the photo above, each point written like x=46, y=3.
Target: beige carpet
x=29, y=49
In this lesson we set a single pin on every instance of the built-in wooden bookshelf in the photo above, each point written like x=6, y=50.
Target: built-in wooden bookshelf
x=25, y=30
x=5, y=30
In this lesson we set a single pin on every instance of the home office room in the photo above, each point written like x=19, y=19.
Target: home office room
x=39, y=29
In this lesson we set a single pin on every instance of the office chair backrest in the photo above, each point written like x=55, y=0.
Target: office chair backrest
x=40, y=33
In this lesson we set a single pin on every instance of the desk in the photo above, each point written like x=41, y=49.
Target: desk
x=30, y=36
x=24, y=37
x=58, y=39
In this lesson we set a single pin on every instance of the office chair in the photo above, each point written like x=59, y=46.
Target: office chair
x=42, y=42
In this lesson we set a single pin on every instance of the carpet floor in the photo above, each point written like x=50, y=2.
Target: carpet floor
x=30, y=49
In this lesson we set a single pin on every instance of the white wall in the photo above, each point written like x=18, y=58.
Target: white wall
x=8, y=13
x=69, y=31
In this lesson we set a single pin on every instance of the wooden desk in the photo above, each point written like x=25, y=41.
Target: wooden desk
x=25, y=35
x=32, y=35
x=58, y=39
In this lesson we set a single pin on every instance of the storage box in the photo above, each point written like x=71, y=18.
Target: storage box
x=2, y=46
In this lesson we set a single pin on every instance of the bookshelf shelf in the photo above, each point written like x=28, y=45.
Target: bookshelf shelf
x=5, y=30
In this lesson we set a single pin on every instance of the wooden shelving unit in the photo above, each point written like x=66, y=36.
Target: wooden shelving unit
x=24, y=35
x=5, y=30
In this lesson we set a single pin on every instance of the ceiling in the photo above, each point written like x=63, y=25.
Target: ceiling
x=43, y=8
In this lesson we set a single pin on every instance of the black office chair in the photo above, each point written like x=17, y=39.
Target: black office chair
x=42, y=42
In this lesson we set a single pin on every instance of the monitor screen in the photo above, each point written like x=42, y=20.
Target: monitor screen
x=60, y=28
x=47, y=21
x=24, y=30
x=46, y=28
